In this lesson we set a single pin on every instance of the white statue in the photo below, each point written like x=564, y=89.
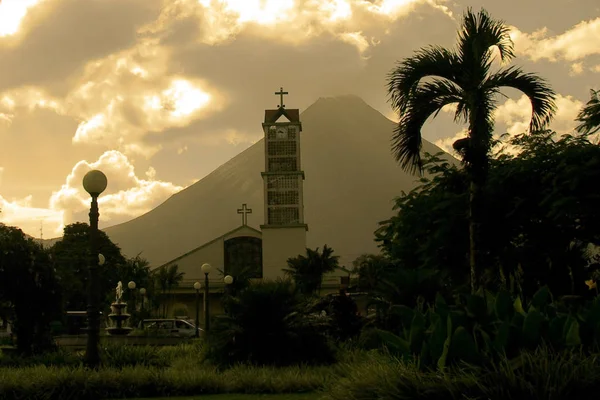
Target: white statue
x=119, y=291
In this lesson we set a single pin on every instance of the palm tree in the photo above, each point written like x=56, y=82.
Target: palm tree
x=462, y=77
x=307, y=271
x=168, y=278
x=589, y=116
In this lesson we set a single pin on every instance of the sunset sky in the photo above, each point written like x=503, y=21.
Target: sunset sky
x=157, y=94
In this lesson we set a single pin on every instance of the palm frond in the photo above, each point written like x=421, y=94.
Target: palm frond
x=538, y=91
x=424, y=102
x=589, y=116
x=478, y=33
x=432, y=61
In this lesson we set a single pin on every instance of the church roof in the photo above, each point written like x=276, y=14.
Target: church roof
x=271, y=116
x=208, y=243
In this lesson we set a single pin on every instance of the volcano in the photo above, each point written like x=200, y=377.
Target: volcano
x=351, y=182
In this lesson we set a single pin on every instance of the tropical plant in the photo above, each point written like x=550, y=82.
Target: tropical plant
x=481, y=327
x=436, y=77
x=167, y=278
x=589, y=116
x=371, y=269
x=269, y=323
x=308, y=271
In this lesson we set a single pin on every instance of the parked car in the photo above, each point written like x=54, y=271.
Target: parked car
x=170, y=327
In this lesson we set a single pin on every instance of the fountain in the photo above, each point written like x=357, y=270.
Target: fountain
x=119, y=315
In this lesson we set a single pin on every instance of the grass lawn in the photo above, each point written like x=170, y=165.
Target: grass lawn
x=286, y=396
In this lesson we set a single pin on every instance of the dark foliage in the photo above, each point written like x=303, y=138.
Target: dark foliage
x=540, y=215
x=268, y=324
x=345, y=323
x=71, y=255
x=308, y=271
x=29, y=284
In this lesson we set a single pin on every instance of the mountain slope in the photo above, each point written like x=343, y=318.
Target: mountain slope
x=351, y=181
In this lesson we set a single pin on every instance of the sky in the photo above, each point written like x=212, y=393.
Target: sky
x=157, y=94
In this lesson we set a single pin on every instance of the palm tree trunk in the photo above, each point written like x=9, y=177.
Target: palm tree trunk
x=473, y=233
x=475, y=214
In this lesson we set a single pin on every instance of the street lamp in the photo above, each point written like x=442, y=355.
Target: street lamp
x=197, y=287
x=143, y=294
x=94, y=182
x=228, y=279
x=131, y=286
x=205, y=268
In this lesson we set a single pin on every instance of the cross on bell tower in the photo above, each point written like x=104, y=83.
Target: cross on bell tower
x=244, y=211
x=281, y=93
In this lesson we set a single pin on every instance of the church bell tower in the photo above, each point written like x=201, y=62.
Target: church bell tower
x=284, y=230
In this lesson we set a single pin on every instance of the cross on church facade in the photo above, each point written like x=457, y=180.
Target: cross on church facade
x=281, y=93
x=244, y=211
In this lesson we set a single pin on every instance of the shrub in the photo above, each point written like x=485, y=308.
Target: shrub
x=345, y=323
x=539, y=374
x=267, y=324
x=484, y=326
x=54, y=383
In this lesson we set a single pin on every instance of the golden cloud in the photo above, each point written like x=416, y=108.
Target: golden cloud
x=516, y=116
x=575, y=44
x=127, y=196
x=291, y=21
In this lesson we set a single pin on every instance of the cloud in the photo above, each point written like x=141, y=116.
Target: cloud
x=290, y=21
x=575, y=44
x=576, y=69
x=21, y=213
x=127, y=196
x=12, y=13
x=446, y=143
x=514, y=116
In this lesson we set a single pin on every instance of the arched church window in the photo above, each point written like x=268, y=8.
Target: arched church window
x=243, y=256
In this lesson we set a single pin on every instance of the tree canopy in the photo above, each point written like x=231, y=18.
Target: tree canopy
x=540, y=215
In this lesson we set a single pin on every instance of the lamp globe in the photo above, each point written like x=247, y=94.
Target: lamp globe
x=94, y=182
x=206, y=268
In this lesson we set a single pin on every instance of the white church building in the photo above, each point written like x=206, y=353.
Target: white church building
x=283, y=233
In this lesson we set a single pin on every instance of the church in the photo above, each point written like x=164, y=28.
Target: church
x=266, y=250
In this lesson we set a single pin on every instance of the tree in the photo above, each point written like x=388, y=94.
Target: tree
x=589, y=116
x=541, y=214
x=371, y=269
x=167, y=278
x=28, y=283
x=71, y=255
x=307, y=271
x=435, y=77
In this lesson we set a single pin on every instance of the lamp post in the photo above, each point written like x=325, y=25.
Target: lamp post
x=228, y=279
x=206, y=270
x=197, y=287
x=131, y=286
x=143, y=294
x=94, y=182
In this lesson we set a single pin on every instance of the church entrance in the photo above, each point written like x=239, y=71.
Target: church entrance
x=243, y=253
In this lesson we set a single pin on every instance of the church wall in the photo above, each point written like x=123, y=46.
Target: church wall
x=190, y=264
x=279, y=244
x=212, y=253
